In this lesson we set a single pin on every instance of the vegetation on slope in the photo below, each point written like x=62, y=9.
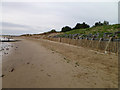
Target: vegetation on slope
x=98, y=29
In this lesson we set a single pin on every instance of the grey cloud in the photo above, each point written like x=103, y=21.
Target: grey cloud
x=56, y=15
x=18, y=29
x=12, y=28
x=8, y=24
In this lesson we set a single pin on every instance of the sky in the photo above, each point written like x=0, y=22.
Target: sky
x=38, y=17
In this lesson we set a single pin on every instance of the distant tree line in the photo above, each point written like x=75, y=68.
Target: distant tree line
x=101, y=24
x=78, y=26
x=81, y=26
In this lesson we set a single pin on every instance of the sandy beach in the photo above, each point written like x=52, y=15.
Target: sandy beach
x=46, y=64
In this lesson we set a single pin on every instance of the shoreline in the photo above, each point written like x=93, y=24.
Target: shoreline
x=7, y=49
x=45, y=64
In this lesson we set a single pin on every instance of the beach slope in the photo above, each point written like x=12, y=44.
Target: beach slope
x=46, y=64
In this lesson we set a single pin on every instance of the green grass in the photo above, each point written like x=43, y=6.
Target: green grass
x=95, y=30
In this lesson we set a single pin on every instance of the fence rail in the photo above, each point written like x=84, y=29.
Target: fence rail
x=106, y=46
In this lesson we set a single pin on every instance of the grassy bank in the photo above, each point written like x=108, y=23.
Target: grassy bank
x=94, y=30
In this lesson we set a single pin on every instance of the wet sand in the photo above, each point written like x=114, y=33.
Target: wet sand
x=47, y=64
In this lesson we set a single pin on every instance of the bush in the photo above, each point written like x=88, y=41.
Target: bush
x=53, y=31
x=66, y=28
x=81, y=26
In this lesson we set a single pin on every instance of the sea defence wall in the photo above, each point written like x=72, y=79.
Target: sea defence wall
x=109, y=46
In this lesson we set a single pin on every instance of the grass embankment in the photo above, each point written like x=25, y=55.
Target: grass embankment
x=94, y=30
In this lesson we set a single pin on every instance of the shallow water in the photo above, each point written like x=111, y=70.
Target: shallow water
x=5, y=48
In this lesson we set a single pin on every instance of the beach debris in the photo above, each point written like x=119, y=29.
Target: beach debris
x=28, y=63
x=41, y=70
x=12, y=70
x=76, y=64
x=48, y=75
x=67, y=60
x=64, y=58
x=2, y=75
x=4, y=52
x=52, y=52
x=7, y=48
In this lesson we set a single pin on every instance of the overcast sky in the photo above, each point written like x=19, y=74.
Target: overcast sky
x=37, y=17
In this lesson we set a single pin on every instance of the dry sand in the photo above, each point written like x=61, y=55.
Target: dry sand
x=47, y=64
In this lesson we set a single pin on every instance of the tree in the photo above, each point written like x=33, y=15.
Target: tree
x=53, y=31
x=66, y=28
x=81, y=26
x=100, y=24
x=96, y=24
x=78, y=26
x=106, y=23
x=85, y=25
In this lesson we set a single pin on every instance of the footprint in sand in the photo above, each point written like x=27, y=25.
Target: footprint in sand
x=48, y=75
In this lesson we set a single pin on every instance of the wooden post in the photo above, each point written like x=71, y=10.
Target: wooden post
x=76, y=41
x=114, y=48
x=108, y=44
x=98, y=44
x=90, y=42
x=69, y=40
x=60, y=39
x=86, y=42
x=118, y=48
